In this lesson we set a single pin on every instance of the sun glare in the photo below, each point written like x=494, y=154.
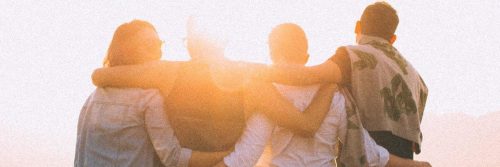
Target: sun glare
x=240, y=42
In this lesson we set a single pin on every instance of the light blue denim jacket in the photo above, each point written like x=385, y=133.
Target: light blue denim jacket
x=127, y=127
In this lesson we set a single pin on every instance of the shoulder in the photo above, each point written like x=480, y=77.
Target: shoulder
x=341, y=57
x=340, y=54
x=341, y=50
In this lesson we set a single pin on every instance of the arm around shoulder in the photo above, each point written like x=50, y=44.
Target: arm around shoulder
x=327, y=72
x=158, y=74
x=266, y=99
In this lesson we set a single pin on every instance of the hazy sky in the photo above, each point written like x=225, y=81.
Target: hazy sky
x=48, y=51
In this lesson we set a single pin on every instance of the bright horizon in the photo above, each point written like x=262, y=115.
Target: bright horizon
x=49, y=50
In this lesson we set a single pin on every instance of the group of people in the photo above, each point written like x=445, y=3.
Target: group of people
x=362, y=107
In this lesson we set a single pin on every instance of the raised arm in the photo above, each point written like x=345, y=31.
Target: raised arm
x=160, y=74
x=327, y=72
x=266, y=99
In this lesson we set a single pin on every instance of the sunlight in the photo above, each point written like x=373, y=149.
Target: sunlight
x=235, y=24
x=249, y=44
x=238, y=44
x=51, y=49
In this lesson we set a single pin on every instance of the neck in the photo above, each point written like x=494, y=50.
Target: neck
x=362, y=39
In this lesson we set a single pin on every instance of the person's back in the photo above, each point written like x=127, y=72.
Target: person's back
x=288, y=45
x=111, y=129
x=204, y=117
x=128, y=126
x=387, y=90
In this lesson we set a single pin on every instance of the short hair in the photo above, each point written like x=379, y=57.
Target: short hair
x=133, y=43
x=379, y=19
x=288, y=42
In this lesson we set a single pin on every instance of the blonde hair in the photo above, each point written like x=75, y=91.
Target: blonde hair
x=133, y=43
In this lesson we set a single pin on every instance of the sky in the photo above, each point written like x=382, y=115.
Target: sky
x=48, y=51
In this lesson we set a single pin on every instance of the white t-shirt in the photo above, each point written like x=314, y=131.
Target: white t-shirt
x=293, y=150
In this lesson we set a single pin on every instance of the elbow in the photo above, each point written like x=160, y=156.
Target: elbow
x=96, y=79
x=306, y=134
x=309, y=135
x=307, y=131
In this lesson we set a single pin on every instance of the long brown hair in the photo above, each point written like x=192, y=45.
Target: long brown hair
x=133, y=43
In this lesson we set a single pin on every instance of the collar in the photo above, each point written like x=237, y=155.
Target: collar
x=365, y=39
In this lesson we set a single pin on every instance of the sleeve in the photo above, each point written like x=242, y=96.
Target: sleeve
x=341, y=58
x=342, y=130
x=162, y=136
x=376, y=155
x=79, y=130
x=423, y=93
x=83, y=114
x=184, y=157
x=252, y=142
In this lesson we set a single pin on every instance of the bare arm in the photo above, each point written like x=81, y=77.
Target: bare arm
x=160, y=75
x=327, y=72
x=266, y=99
